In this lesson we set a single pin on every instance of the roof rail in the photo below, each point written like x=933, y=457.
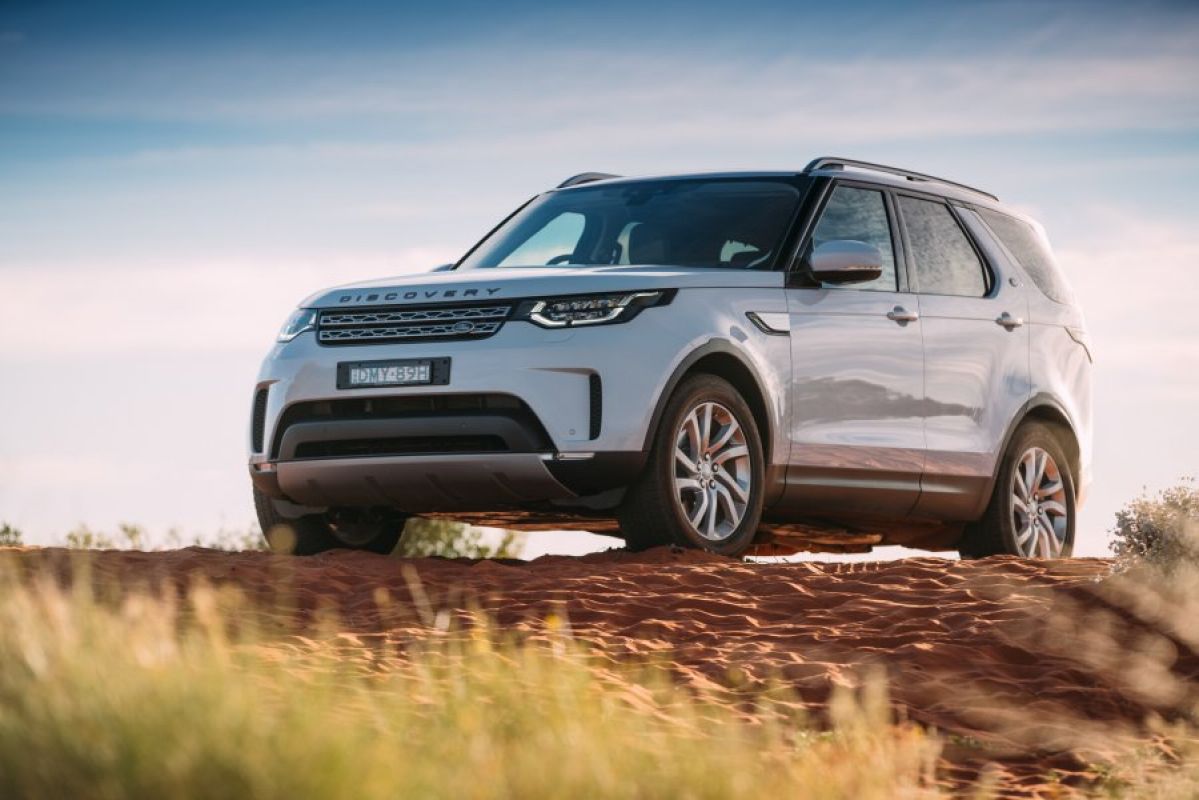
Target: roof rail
x=827, y=162
x=585, y=177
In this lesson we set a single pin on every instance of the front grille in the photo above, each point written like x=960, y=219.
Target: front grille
x=381, y=325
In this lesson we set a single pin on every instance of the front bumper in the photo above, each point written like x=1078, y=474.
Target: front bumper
x=417, y=484
x=549, y=370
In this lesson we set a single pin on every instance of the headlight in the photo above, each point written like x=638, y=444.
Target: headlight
x=300, y=321
x=595, y=309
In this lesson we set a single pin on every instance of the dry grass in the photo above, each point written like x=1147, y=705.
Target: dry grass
x=112, y=692
x=151, y=697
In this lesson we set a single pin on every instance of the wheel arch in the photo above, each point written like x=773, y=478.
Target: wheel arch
x=722, y=359
x=1042, y=408
x=1056, y=418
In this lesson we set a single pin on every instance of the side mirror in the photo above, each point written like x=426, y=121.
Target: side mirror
x=442, y=268
x=845, y=261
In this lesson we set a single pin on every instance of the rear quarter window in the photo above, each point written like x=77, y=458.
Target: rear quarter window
x=1029, y=247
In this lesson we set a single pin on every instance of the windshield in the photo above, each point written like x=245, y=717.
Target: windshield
x=720, y=223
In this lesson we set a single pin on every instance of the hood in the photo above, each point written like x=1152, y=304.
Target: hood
x=529, y=282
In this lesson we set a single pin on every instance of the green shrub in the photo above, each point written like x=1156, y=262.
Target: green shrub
x=439, y=537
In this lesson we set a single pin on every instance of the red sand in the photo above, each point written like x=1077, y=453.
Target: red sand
x=1033, y=665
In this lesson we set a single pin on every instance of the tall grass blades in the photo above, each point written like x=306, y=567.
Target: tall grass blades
x=151, y=696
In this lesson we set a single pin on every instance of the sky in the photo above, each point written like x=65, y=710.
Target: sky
x=174, y=178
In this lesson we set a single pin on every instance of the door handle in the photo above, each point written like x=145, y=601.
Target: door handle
x=1006, y=320
x=901, y=315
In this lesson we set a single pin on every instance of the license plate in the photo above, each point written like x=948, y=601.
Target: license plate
x=407, y=372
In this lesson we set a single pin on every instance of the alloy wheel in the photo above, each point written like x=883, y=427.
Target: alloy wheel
x=1040, y=515
x=712, y=476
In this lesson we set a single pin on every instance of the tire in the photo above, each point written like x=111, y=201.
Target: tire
x=722, y=492
x=1012, y=525
x=317, y=533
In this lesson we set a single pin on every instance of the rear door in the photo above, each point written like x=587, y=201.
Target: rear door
x=857, y=437
x=976, y=353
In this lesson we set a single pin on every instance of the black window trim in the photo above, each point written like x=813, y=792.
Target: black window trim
x=990, y=275
x=810, y=211
x=494, y=228
x=796, y=270
x=808, y=188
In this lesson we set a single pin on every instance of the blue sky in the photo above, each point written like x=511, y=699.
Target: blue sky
x=174, y=177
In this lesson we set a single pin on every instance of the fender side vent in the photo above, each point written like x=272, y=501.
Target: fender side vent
x=258, y=420
x=597, y=405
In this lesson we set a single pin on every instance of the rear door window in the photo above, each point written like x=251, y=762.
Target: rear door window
x=945, y=260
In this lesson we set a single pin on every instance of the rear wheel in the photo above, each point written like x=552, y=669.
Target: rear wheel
x=1032, y=509
x=370, y=530
x=702, y=486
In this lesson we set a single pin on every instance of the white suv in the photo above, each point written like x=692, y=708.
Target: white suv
x=829, y=359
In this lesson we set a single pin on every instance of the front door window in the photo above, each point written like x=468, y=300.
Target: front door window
x=859, y=215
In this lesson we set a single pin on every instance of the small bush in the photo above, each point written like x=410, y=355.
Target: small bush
x=1161, y=529
x=129, y=537
x=439, y=537
x=231, y=539
x=9, y=536
x=422, y=538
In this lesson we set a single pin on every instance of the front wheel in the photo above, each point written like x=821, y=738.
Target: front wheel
x=702, y=486
x=309, y=534
x=1032, y=510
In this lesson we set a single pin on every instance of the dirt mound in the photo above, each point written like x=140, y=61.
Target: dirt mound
x=1032, y=666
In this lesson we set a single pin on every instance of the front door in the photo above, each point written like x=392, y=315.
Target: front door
x=857, y=431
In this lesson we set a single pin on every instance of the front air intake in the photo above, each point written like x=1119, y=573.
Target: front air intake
x=597, y=406
x=258, y=420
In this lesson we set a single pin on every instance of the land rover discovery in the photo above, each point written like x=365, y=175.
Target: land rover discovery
x=826, y=359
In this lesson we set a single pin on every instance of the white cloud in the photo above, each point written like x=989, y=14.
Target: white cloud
x=183, y=307
x=450, y=93
x=1132, y=275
